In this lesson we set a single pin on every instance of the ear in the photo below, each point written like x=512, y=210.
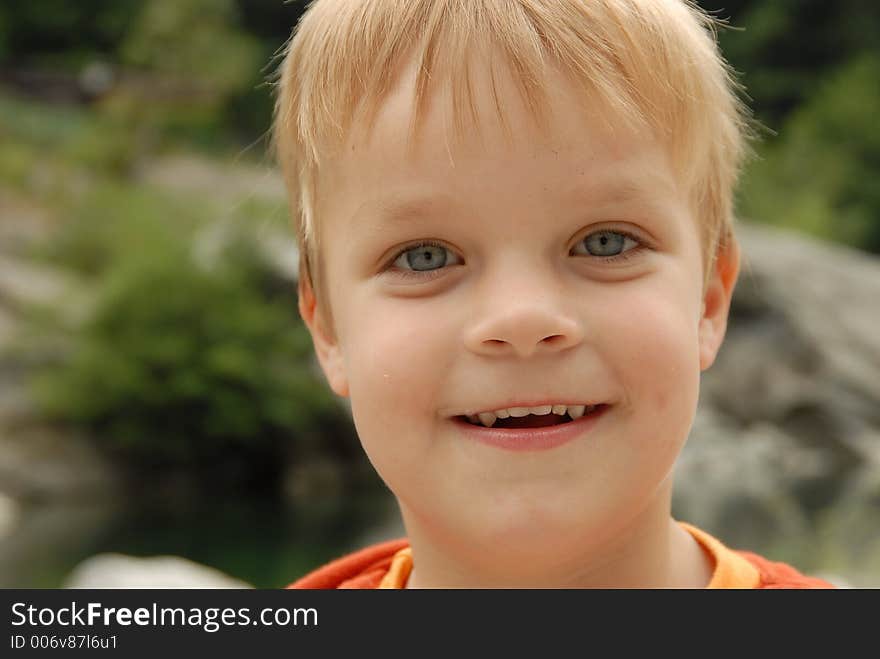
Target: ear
x=325, y=342
x=716, y=301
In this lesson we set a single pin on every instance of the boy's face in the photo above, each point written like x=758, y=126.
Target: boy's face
x=530, y=305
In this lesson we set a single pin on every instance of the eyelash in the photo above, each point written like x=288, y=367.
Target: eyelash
x=431, y=274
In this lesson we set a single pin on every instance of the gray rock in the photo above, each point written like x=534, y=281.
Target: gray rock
x=9, y=514
x=22, y=282
x=802, y=343
x=40, y=462
x=43, y=534
x=121, y=571
x=224, y=183
x=789, y=415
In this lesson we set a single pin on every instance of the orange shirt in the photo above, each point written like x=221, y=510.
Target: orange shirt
x=388, y=565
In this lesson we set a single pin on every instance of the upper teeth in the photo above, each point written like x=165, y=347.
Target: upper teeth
x=488, y=418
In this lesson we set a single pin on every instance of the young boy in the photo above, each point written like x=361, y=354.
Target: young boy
x=516, y=259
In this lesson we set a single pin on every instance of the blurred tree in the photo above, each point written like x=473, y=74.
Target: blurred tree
x=183, y=365
x=185, y=61
x=62, y=32
x=271, y=20
x=785, y=47
x=193, y=40
x=249, y=112
x=822, y=174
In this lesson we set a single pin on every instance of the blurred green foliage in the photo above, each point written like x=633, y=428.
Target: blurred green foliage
x=207, y=366
x=196, y=61
x=46, y=144
x=822, y=175
x=214, y=56
x=785, y=49
x=114, y=224
x=182, y=362
x=182, y=348
x=65, y=33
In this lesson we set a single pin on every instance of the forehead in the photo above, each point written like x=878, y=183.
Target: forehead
x=485, y=103
x=405, y=160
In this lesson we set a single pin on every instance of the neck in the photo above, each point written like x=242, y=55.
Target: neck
x=648, y=550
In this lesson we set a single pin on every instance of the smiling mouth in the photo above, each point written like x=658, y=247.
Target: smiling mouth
x=532, y=420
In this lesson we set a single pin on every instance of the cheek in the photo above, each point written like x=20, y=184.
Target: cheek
x=396, y=357
x=399, y=344
x=656, y=350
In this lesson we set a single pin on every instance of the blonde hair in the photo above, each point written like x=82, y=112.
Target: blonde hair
x=652, y=63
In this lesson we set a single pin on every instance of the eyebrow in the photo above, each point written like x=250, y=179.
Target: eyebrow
x=620, y=191
x=613, y=194
x=396, y=211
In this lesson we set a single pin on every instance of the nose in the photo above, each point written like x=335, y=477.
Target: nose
x=529, y=322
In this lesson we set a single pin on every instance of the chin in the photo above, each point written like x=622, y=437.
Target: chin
x=530, y=532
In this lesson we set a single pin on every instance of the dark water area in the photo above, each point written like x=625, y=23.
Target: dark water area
x=260, y=541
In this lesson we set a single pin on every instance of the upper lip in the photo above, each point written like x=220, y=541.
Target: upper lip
x=562, y=400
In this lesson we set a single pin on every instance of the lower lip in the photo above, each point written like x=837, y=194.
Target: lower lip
x=531, y=439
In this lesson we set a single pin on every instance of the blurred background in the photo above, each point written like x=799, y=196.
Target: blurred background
x=162, y=419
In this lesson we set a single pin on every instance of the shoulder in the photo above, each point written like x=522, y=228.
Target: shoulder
x=362, y=569
x=777, y=575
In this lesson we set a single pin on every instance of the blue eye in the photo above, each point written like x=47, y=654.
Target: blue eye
x=428, y=258
x=608, y=244
x=424, y=257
